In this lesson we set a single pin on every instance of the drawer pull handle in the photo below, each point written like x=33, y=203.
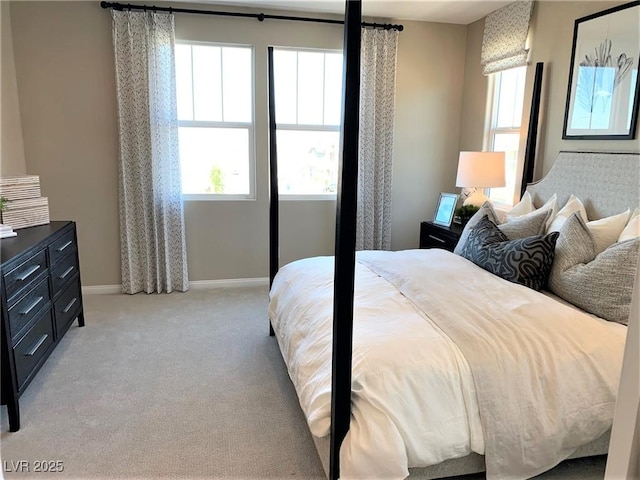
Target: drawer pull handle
x=35, y=348
x=32, y=306
x=27, y=273
x=69, y=305
x=66, y=272
x=60, y=249
x=436, y=239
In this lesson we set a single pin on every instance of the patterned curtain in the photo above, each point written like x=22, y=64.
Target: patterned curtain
x=152, y=241
x=377, y=111
x=504, y=44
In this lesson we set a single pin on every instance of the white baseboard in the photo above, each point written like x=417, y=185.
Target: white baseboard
x=231, y=282
x=101, y=289
x=193, y=285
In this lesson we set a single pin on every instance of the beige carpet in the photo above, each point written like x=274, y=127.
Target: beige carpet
x=181, y=386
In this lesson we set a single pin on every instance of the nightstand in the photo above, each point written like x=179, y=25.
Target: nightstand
x=437, y=236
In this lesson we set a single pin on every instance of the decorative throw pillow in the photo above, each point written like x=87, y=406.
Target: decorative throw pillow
x=524, y=206
x=485, y=210
x=575, y=245
x=573, y=205
x=527, y=225
x=632, y=230
x=518, y=227
x=551, y=204
x=485, y=231
x=602, y=284
x=607, y=230
x=526, y=261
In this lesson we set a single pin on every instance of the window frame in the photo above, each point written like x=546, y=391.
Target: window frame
x=308, y=128
x=250, y=126
x=492, y=130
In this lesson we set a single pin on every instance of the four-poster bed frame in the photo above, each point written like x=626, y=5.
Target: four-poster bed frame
x=345, y=246
x=346, y=219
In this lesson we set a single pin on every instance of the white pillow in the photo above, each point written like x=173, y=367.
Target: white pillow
x=524, y=206
x=573, y=205
x=632, y=230
x=551, y=204
x=606, y=231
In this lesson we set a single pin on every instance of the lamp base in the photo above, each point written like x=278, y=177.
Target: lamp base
x=477, y=198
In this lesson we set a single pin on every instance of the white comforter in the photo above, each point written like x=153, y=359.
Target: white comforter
x=414, y=400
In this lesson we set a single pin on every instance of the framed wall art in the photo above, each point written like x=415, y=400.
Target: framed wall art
x=603, y=92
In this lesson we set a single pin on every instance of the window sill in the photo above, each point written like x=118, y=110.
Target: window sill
x=304, y=198
x=208, y=197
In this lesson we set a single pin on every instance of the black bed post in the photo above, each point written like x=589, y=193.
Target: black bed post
x=345, y=238
x=532, y=135
x=274, y=247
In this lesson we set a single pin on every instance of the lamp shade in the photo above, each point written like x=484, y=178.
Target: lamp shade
x=481, y=169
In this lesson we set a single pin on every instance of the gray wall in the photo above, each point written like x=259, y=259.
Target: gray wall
x=65, y=76
x=551, y=34
x=66, y=85
x=12, y=160
x=429, y=87
x=474, y=97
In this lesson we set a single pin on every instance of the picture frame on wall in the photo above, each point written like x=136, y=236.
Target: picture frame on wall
x=445, y=209
x=603, y=94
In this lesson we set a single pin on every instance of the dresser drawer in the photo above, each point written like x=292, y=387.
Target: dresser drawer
x=62, y=246
x=438, y=240
x=434, y=236
x=19, y=277
x=32, y=348
x=68, y=306
x=62, y=273
x=21, y=314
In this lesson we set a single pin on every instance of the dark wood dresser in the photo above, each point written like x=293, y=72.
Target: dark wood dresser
x=41, y=296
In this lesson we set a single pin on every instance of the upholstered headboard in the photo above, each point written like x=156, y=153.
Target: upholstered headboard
x=607, y=183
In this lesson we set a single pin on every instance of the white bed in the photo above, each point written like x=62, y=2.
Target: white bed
x=431, y=335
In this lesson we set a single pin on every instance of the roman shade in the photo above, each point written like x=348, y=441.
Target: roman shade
x=505, y=37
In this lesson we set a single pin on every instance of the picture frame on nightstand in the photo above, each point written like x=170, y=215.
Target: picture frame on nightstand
x=445, y=209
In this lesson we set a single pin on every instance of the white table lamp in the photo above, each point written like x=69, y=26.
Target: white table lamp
x=478, y=170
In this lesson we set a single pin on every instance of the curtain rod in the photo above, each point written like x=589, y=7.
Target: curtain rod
x=260, y=16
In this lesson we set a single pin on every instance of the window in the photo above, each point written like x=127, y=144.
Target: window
x=507, y=89
x=215, y=118
x=308, y=91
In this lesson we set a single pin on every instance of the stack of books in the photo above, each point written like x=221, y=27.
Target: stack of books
x=6, y=231
x=24, y=206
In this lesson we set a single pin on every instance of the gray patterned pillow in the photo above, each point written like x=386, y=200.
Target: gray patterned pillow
x=485, y=210
x=526, y=226
x=603, y=284
x=518, y=227
x=526, y=261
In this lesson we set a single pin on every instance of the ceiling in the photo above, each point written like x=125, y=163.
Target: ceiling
x=444, y=11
